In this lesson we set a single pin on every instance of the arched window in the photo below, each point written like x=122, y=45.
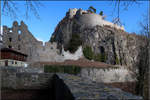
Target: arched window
x=19, y=31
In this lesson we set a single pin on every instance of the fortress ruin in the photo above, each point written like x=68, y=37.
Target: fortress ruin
x=90, y=19
x=19, y=38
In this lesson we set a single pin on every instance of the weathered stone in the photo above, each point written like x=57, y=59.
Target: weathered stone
x=62, y=86
x=108, y=75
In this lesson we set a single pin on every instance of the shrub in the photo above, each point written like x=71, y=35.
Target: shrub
x=100, y=57
x=88, y=53
x=117, y=60
x=103, y=57
x=70, y=69
x=53, y=38
x=74, y=43
x=92, y=9
x=101, y=13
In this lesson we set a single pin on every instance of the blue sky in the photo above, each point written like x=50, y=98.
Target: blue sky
x=53, y=11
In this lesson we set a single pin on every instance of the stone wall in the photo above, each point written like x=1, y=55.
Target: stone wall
x=61, y=86
x=90, y=19
x=17, y=78
x=108, y=75
x=47, y=53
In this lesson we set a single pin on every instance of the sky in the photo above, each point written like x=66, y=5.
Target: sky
x=52, y=12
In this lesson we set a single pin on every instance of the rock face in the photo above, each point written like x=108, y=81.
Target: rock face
x=118, y=46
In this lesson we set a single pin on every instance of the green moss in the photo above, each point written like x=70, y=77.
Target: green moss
x=70, y=69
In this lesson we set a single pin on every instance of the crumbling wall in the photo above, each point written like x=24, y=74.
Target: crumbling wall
x=19, y=38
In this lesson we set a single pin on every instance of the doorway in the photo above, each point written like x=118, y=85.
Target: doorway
x=6, y=63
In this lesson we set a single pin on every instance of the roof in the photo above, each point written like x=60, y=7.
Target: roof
x=80, y=62
x=14, y=51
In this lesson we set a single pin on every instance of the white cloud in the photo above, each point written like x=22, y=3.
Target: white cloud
x=39, y=39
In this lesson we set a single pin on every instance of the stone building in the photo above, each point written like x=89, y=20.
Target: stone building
x=19, y=38
x=10, y=57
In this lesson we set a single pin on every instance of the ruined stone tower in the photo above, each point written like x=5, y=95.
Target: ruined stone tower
x=19, y=38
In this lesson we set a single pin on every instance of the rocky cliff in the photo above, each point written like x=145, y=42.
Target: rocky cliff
x=118, y=46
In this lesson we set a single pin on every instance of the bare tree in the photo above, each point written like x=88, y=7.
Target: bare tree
x=11, y=8
x=143, y=65
x=144, y=24
x=142, y=87
x=122, y=5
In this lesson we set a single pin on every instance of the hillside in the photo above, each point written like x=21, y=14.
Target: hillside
x=114, y=44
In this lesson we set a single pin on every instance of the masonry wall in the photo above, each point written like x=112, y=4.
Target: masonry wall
x=20, y=39
x=108, y=75
x=46, y=85
x=58, y=87
x=16, y=78
x=91, y=19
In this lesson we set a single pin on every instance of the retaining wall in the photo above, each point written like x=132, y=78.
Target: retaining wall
x=60, y=86
x=108, y=75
